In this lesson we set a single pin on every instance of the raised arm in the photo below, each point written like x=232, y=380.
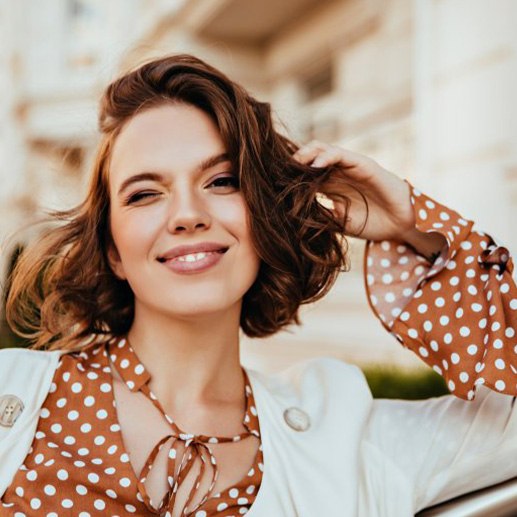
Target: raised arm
x=443, y=288
x=456, y=310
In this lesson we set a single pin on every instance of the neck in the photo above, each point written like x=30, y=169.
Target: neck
x=193, y=362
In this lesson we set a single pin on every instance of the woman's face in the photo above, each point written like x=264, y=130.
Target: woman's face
x=171, y=185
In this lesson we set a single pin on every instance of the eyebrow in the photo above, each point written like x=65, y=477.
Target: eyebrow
x=210, y=162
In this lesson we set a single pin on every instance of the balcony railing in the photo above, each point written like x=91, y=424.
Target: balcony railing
x=495, y=501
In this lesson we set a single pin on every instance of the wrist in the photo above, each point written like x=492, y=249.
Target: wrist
x=428, y=245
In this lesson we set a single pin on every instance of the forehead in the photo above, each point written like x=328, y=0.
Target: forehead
x=164, y=138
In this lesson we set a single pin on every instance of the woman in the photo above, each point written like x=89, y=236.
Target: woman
x=201, y=219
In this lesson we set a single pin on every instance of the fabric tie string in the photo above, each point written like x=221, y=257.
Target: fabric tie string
x=195, y=446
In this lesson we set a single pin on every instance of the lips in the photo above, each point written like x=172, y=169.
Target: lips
x=188, y=249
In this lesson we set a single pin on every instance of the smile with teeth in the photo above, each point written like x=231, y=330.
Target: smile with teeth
x=193, y=257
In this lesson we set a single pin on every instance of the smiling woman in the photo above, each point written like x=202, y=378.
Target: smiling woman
x=173, y=125
x=189, y=218
x=201, y=221
x=162, y=264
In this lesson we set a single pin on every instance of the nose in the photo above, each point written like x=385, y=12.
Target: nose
x=187, y=214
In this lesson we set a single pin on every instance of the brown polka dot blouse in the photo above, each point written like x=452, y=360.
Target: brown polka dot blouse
x=78, y=465
x=455, y=312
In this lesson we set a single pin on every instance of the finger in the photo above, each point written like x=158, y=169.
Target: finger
x=352, y=159
x=315, y=144
x=347, y=156
x=308, y=152
x=320, y=157
x=327, y=158
x=306, y=156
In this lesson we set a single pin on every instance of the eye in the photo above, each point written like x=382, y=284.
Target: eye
x=225, y=182
x=139, y=196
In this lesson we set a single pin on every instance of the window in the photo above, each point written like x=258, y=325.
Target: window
x=319, y=83
x=320, y=102
x=85, y=25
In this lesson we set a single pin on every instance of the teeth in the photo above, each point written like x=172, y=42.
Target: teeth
x=192, y=257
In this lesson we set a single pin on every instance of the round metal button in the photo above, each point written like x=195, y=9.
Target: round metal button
x=11, y=407
x=297, y=419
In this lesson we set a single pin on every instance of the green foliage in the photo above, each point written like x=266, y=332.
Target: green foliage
x=397, y=383
x=8, y=338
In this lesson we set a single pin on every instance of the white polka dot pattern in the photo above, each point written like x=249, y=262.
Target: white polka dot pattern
x=459, y=313
x=77, y=464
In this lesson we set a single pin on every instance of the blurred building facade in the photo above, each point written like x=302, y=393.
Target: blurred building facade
x=423, y=86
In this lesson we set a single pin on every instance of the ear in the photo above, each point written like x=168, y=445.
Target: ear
x=115, y=262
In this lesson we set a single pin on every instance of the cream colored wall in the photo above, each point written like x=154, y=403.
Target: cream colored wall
x=465, y=78
x=14, y=200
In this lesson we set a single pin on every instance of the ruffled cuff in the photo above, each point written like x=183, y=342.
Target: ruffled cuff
x=458, y=313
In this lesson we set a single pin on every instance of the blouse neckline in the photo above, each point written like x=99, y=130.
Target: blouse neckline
x=134, y=374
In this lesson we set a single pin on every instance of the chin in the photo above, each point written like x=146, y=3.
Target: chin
x=191, y=307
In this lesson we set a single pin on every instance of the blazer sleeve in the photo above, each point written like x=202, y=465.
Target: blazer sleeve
x=458, y=313
x=445, y=447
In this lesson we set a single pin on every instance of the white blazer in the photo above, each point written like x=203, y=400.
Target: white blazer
x=358, y=457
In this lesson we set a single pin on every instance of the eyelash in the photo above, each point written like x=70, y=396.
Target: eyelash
x=138, y=196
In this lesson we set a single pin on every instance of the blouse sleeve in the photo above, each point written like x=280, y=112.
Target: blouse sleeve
x=457, y=313
x=446, y=447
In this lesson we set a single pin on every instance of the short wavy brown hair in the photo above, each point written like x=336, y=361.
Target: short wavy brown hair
x=63, y=292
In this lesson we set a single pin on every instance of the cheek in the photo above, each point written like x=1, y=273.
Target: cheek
x=235, y=219
x=245, y=237
x=132, y=235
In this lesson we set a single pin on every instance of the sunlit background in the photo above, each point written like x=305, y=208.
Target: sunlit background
x=426, y=87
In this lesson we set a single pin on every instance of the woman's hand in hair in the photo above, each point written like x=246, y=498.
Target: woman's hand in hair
x=390, y=213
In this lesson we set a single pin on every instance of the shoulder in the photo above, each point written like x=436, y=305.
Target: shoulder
x=21, y=367
x=23, y=357
x=27, y=374
x=319, y=380
x=326, y=371
x=315, y=368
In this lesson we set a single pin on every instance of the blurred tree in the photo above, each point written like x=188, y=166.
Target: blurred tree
x=395, y=383
x=7, y=337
